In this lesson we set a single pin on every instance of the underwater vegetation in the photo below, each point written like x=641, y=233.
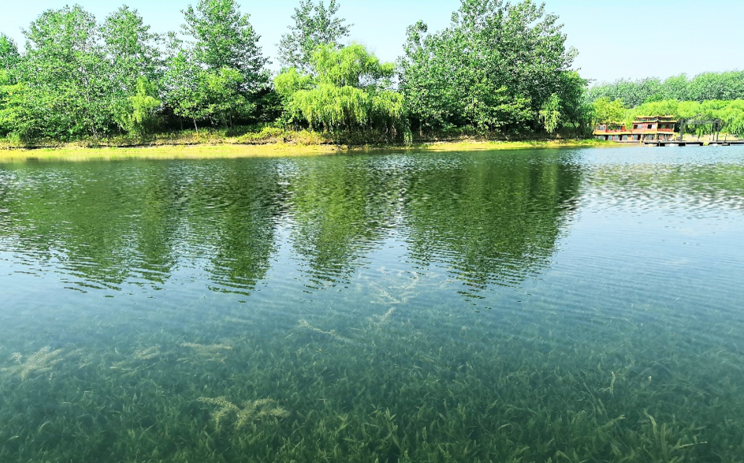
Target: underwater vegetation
x=250, y=411
x=382, y=386
x=40, y=362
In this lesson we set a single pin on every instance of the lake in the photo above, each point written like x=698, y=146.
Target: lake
x=527, y=306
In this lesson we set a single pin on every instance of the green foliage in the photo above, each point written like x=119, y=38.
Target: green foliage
x=348, y=89
x=219, y=76
x=9, y=56
x=731, y=113
x=198, y=94
x=222, y=96
x=135, y=67
x=220, y=37
x=704, y=87
x=79, y=79
x=315, y=26
x=606, y=111
x=10, y=95
x=495, y=68
x=136, y=114
x=550, y=114
x=132, y=51
x=65, y=76
x=576, y=113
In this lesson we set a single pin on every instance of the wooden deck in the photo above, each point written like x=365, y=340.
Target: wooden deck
x=663, y=143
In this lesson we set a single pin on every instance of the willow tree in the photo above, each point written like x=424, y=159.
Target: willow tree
x=347, y=89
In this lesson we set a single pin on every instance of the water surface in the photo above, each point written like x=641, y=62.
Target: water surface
x=532, y=306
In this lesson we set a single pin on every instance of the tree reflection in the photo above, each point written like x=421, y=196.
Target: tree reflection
x=495, y=221
x=490, y=219
x=102, y=225
x=340, y=208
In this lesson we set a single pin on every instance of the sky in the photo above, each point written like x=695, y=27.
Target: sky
x=615, y=38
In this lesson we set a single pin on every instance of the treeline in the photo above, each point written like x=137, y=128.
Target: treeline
x=729, y=114
x=704, y=87
x=499, y=68
x=706, y=97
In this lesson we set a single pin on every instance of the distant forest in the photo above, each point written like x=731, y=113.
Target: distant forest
x=499, y=69
x=704, y=87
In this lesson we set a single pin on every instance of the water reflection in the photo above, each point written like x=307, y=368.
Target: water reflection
x=340, y=210
x=486, y=218
x=492, y=223
x=101, y=225
x=688, y=187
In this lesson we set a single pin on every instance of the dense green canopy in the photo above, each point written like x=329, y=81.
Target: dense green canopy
x=500, y=69
x=497, y=67
x=730, y=113
x=698, y=116
x=704, y=87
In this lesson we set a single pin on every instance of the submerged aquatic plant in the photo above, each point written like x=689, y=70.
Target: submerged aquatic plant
x=249, y=413
x=35, y=364
x=332, y=333
x=212, y=353
x=380, y=320
x=147, y=354
x=395, y=287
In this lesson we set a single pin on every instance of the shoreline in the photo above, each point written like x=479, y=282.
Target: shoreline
x=231, y=150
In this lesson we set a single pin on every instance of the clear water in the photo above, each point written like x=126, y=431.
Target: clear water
x=508, y=307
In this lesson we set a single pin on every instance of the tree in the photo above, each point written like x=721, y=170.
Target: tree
x=131, y=49
x=221, y=37
x=219, y=75
x=315, y=25
x=348, y=88
x=9, y=56
x=136, y=113
x=550, y=114
x=575, y=112
x=607, y=111
x=494, y=68
x=135, y=69
x=200, y=94
x=180, y=86
x=65, y=76
x=704, y=87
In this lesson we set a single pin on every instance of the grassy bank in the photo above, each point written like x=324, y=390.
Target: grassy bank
x=268, y=142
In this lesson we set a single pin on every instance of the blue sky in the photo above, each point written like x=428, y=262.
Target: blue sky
x=628, y=38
